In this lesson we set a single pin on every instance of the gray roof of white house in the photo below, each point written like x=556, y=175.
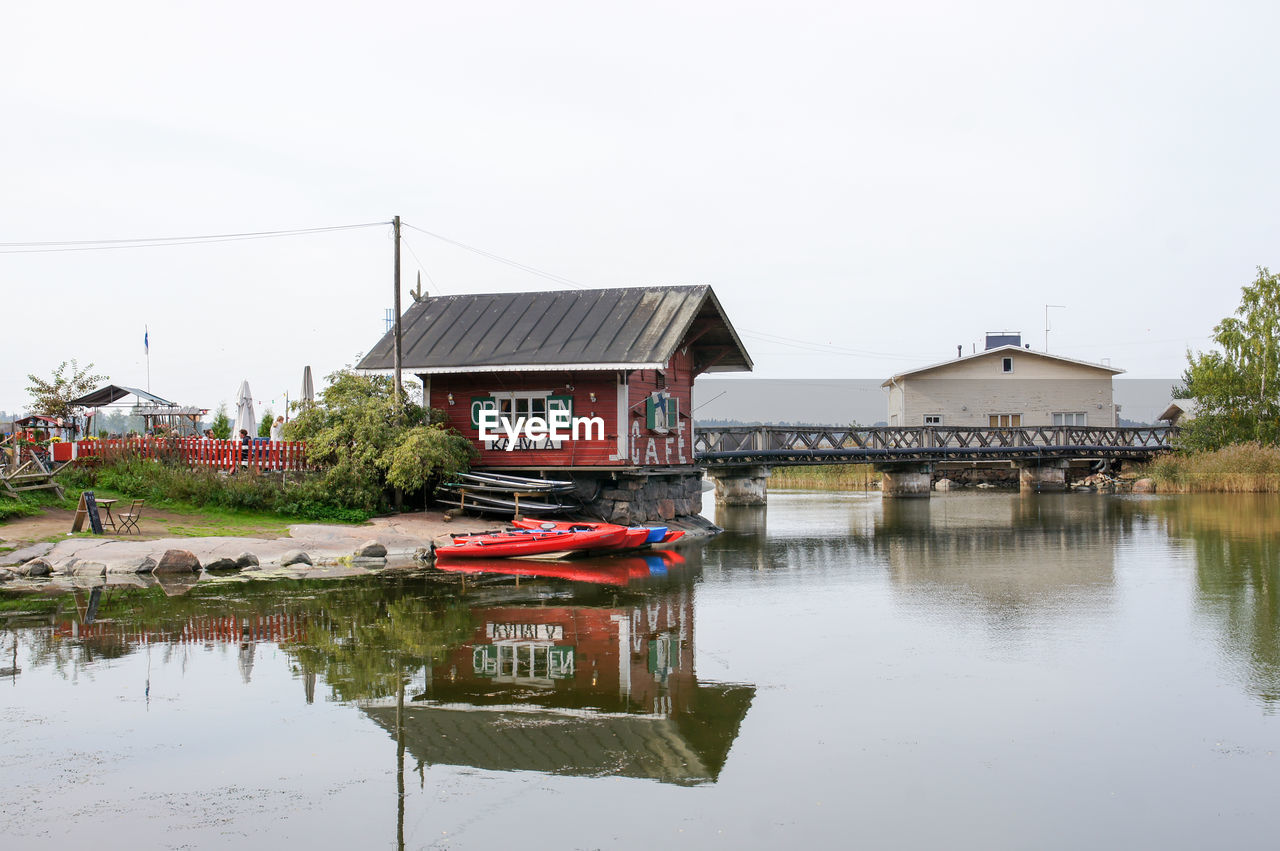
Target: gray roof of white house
x=1000, y=351
x=626, y=328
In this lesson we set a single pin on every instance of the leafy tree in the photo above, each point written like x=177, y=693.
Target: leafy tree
x=366, y=442
x=1237, y=389
x=221, y=427
x=52, y=397
x=264, y=424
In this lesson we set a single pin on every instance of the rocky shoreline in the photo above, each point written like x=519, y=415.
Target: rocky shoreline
x=310, y=550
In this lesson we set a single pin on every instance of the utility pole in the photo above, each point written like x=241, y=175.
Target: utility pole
x=395, y=224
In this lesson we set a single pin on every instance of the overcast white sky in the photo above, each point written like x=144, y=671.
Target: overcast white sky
x=866, y=185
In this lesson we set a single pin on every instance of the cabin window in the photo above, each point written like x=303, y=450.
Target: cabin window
x=1070, y=418
x=1004, y=420
x=933, y=419
x=515, y=407
x=518, y=407
x=1006, y=364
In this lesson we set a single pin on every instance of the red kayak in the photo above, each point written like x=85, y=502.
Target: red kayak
x=527, y=542
x=634, y=537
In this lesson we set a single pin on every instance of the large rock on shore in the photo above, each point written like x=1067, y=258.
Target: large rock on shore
x=371, y=549
x=1144, y=486
x=177, y=561
x=246, y=560
x=294, y=557
x=223, y=563
x=137, y=564
x=35, y=567
x=89, y=568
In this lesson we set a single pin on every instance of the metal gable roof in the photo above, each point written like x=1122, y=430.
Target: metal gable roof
x=1000, y=351
x=626, y=328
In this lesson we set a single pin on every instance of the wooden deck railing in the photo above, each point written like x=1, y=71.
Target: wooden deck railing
x=194, y=452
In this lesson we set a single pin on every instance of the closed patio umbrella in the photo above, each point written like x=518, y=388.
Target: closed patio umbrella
x=244, y=413
x=308, y=389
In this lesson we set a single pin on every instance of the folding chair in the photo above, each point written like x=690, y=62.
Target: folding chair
x=129, y=519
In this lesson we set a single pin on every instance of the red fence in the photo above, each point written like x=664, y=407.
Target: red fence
x=194, y=451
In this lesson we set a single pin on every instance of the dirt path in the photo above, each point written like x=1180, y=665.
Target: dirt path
x=54, y=524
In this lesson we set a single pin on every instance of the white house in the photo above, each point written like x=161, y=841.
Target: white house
x=1004, y=385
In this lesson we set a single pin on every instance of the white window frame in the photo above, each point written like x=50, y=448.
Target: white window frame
x=1078, y=418
x=508, y=403
x=1006, y=364
x=1008, y=416
x=933, y=419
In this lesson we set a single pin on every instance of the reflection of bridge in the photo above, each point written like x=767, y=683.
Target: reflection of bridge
x=739, y=457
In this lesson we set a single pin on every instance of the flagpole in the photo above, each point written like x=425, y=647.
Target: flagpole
x=146, y=344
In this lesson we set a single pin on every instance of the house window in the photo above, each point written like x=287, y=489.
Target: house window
x=933, y=419
x=1004, y=420
x=1006, y=364
x=1070, y=418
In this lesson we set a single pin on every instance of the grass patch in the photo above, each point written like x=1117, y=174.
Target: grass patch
x=270, y=498
x=30, y=503
x=826, y=477
x=1239, y=468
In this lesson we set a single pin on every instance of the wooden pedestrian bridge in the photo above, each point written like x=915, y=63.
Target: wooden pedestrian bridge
x=739, y=457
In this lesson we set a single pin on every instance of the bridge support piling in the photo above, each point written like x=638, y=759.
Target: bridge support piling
x=1042, y=476
x=741, y=485
x=905, y=481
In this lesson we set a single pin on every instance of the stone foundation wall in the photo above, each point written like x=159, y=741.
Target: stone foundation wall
x=632, y=498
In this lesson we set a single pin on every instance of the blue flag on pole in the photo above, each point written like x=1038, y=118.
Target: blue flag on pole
x=146, y=340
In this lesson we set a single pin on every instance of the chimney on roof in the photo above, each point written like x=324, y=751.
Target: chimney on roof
x=959, y=350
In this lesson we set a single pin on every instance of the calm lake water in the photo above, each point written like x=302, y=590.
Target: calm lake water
x=976, y=671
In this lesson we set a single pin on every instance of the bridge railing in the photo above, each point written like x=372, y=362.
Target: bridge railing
x=802, y=439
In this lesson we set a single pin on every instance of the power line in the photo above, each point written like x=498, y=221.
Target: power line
x=161, y=241
x=809, y=345
x=533, y=270
x=421, y=266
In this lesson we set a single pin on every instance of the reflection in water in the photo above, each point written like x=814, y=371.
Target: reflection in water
x=558, y=687
x=1237, y=549
x=1009, y=559
x=503, y=672
x=1012, y=559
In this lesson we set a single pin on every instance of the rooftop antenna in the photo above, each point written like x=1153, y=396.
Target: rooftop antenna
x=1046, y=323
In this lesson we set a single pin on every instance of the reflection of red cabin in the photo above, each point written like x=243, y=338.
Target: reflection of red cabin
x=621, y=659
x=626, y=356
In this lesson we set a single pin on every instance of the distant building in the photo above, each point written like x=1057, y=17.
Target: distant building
x=1004, y=385
x=1179, y=412
x=625, y=356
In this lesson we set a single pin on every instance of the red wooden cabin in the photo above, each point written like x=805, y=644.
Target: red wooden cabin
x=627, y=356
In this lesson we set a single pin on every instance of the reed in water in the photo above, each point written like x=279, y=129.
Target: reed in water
x=1239, y=468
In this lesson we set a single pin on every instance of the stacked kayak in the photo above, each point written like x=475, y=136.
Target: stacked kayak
x=492, y=493
x=516, y=543
x=635, y=537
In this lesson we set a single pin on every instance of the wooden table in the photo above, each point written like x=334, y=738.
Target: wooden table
x=105, y=505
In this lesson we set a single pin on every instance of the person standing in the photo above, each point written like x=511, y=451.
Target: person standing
x=277, y=430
